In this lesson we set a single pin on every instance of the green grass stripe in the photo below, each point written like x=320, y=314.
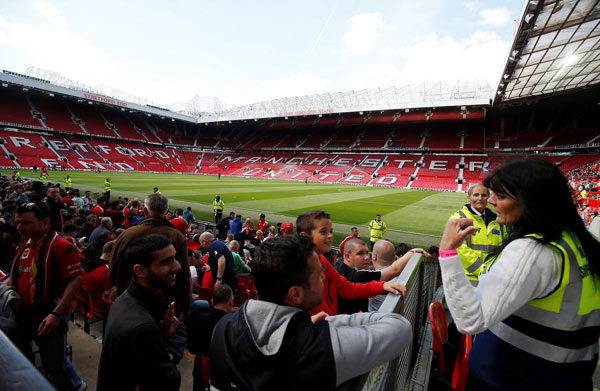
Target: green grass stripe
x=311, y=202
x=363, y=210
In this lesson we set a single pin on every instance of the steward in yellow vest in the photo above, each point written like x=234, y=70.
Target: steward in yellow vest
x=536, y=310
x=562, y=327
x=107, y=186
x=68, y=183
x=377, y=229
x=490, y=235
x=218, y=206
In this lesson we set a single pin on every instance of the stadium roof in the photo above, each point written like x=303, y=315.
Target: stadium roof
x=426, y=95
x=53, y=83
x=556, y=48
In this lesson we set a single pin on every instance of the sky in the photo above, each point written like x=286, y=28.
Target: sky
x=248, y=51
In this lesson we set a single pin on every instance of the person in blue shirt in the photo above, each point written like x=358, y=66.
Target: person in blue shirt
x=189, y=216
x=220, y=261
x=236, y=226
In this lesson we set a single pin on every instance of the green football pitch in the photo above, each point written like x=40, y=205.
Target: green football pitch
x=416, y=217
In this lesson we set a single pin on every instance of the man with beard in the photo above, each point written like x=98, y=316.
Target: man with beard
x=142, y=343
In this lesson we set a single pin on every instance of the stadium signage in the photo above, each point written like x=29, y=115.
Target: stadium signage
x=85, y=150
x=304, y=112
x=104, y=99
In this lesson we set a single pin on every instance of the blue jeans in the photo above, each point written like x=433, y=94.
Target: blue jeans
x=57, y=367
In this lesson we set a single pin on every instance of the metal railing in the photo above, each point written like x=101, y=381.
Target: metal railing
x=421, y=278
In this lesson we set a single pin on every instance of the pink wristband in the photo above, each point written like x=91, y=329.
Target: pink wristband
x=448, y=253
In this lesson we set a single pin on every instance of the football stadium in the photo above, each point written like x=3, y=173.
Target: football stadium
x=93, y=177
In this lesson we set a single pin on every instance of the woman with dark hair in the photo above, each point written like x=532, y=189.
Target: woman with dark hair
x=536, y=310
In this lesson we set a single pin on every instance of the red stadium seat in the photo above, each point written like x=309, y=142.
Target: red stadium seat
x=461, y=366
x=437, y=318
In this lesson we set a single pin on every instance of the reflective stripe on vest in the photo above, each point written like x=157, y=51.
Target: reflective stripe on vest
x=376, y=230
x=475, y=265
x=472, y=255
x=543, y=349
x=569, y=316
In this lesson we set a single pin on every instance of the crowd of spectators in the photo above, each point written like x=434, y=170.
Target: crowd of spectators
x=140, y=254
x=156, y=266
x=585, y=186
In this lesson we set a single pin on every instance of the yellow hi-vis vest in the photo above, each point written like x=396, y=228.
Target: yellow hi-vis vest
x=566, y=317
x=106, y=186
x=43, y=179
x=476, y=247
x=68, y=182
x=220, y=205
x=377, y=230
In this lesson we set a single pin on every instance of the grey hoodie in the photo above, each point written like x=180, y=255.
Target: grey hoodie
x=357, y=343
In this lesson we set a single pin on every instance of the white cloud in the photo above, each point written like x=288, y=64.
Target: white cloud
x=469, y=4
x=56, y=49
x=438, y=58
x=494, y=16
x=49, y=12
x=364, y=30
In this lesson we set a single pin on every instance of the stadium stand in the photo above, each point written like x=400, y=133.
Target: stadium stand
x=14, y=109
x=442, y=149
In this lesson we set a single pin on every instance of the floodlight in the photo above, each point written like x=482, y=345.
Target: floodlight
x=528, y=17
x=4, y=85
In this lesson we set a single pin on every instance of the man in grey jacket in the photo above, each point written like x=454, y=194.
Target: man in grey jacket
x=275, y=344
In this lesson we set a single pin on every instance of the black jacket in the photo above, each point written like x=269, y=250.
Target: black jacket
x=352, y=306
x=134, y=350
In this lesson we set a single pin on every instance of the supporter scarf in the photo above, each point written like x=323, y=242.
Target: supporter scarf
x=40, y=272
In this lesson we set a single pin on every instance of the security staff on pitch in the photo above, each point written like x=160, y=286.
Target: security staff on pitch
x=474, y=250
x=218, y=206
x=107, y=189
x=68, y=183
x=377, y=229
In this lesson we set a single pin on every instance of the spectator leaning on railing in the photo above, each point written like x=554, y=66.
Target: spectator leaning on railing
x=536, y=310
x=273, y=344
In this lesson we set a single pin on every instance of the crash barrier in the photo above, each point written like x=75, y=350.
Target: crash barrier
x=421, y=278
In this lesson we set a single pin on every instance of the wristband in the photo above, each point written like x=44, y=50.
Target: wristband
x=56, y=314
x=219, y=278
x=448, y=253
